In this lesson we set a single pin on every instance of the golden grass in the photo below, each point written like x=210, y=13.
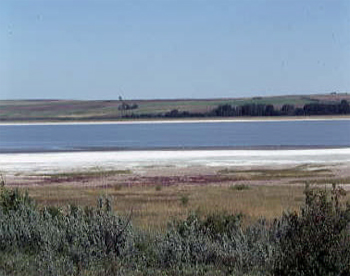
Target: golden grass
x=93, y=173
x=271, y=174
x=153, y=207
x=154, y=204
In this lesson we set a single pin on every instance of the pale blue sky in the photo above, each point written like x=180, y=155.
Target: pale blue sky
x=71, y=49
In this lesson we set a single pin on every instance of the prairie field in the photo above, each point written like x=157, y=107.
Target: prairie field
x=157, y=197
x=154, y=207
x=171, y=221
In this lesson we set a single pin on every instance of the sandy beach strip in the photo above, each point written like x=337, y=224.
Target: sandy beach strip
x=183, y=121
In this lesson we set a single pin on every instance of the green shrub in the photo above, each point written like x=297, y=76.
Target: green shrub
x=95, y=241
x=12, y=200
x=219, y=241
x=315, y=241
x=240, y=187
x=184, y=200
x=80, y=237
x=158, y=188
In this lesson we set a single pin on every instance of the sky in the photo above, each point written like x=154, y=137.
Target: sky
x=159, y=49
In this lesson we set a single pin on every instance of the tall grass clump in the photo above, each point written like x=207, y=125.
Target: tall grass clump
x=239, y=187
x=184, y=200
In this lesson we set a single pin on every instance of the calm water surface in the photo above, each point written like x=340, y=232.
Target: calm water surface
x=198, y=135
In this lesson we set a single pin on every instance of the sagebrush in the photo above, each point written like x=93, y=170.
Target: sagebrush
x=97, y=241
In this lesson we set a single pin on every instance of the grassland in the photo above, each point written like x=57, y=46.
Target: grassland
x=157, y=198
x=153, y=208
x=194, y=221
x=51, y=110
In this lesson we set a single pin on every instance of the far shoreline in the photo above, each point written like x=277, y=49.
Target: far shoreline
x=177, y=149
x=177, y=121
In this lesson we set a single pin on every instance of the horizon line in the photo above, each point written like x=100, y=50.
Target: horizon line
x=179, y=99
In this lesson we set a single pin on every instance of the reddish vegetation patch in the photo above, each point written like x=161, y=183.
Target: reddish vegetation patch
x=136, y=180
x=176, y=180
x=110, y=181
x=200, y=176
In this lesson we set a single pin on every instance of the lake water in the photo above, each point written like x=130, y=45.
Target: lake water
x=188, y=135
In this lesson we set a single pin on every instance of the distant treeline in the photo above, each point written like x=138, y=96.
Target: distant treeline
x=253, y=109
x=286, y=110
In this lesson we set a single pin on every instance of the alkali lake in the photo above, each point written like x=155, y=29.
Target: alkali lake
x=169, y=135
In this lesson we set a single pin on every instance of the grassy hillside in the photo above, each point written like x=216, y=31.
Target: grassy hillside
x=22, y=110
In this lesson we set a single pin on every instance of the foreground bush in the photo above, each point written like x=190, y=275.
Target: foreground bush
x=96, y=241
x=54, y=241
x=316, y=241
x=217, y=240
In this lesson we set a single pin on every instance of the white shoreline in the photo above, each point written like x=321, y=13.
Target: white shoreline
x=39, y=163
x=175, y=121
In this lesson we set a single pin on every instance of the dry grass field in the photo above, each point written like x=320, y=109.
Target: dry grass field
x=160, y=196
x=153, y=207
x=217, y=227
